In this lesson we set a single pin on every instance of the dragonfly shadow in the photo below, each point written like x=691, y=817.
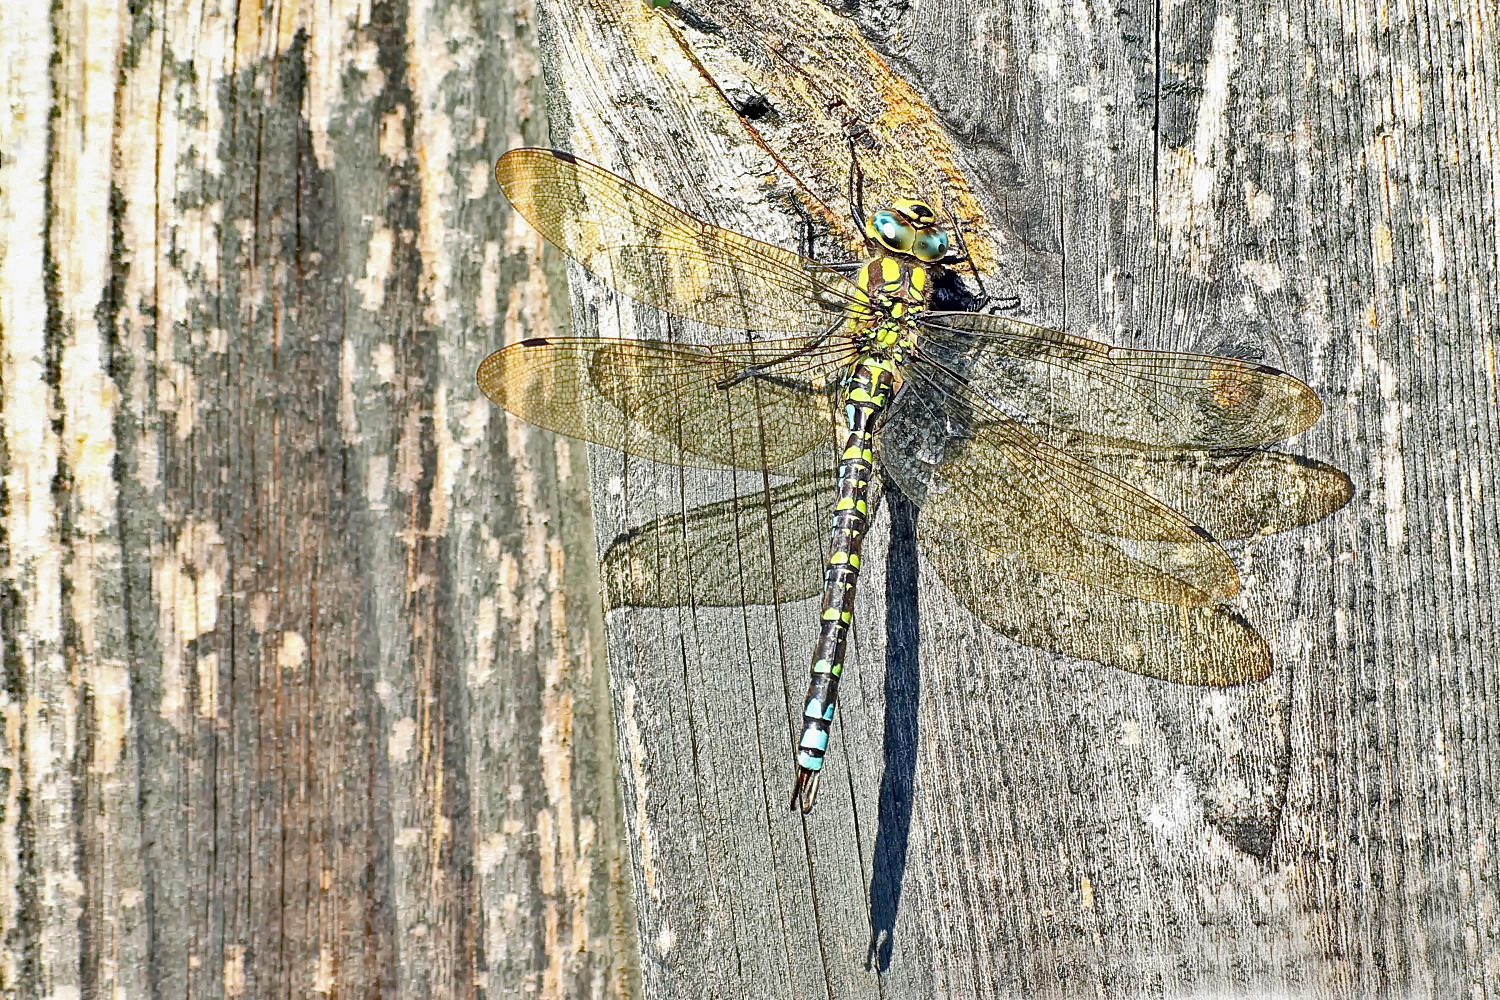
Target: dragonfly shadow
x=903, y=691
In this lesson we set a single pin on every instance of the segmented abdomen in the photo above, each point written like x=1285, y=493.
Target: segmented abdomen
x=867, y=390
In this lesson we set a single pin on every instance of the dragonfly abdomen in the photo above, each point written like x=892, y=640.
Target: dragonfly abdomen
x=867, y=389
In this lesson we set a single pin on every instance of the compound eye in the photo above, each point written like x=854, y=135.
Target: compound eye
x=930, y=246
x=891, y=231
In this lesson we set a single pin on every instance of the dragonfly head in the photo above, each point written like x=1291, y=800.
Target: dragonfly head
x=909, y=227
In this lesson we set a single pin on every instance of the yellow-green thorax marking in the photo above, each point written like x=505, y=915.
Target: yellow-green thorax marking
x=893, y=291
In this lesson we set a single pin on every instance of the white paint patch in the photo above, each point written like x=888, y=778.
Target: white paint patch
x=448, y=459
x=1266, y=274
x=482, y=670
x=33, y=561
x=1258, y=204
x=1393, y=462
x=1440, y=763
x=1190, y=175
x=348, y=415
x=1383, y=244
x=450, y=44
x=208, y=685
x=562, y=453
x=635, y=746
x=331, y=28
x=403, y=737
x=323, y=980
x=487, y=306
x=234, y=970
x=293, y=652
x=407, y=471
x=201, y=550
x=479, y=179
x=378, y=259
x=508, y=601
x=111, y=689
x=392, y=142
x=187, y=583
x=476, y=420
x=260, y=611
x=383, y=357
x=1438, y=253
x=364, y=56
x=520, y=239
x=1391, y=465
x=492, y=851
x=1172, y=813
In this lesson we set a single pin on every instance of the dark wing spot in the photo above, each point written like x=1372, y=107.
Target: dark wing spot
x=1268, y=370
x=1203, y=534
x=533, y=342
x=566, y=157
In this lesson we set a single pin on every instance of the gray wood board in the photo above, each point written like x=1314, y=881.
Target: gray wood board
x=301, y=693
x=1311, y=187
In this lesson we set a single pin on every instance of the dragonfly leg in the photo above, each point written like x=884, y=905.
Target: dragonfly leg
x=763, y=371
x=856, y=190
x=963, y=257
x=807, y=240
x=807, y=245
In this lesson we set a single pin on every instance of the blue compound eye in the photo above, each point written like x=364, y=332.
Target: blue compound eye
x=930, y=246
x=891, y=231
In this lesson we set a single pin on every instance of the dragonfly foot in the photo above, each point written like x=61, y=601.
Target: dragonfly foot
x=805, y=790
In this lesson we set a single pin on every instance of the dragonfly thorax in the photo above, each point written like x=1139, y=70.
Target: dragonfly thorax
x=893, y=292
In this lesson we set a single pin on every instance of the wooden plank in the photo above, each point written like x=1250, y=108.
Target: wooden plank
x=302, y=694
x=1303, y=188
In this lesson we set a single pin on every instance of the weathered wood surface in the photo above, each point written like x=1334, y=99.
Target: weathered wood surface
x=300, y=695
x=1315, y=187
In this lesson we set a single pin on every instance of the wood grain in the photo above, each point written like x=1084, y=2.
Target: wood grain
x=1310, y=188
x=301, y=693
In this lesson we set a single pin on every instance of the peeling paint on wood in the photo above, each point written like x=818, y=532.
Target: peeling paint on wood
x=299, y=689
x=1300, y=187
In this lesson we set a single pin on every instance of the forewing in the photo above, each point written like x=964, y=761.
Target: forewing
x=1056, y=382
x=657, y=254
x=981, y=477
x=677, y=403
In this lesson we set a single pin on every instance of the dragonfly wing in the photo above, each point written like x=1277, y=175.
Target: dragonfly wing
x=1233, y=494
x=765, y=547
x=1209, y=644
x=984, y=478
x=1063, y=383
x=676, y=403
x=657, y=254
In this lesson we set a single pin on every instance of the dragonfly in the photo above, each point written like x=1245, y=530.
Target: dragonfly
x=983, y=420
